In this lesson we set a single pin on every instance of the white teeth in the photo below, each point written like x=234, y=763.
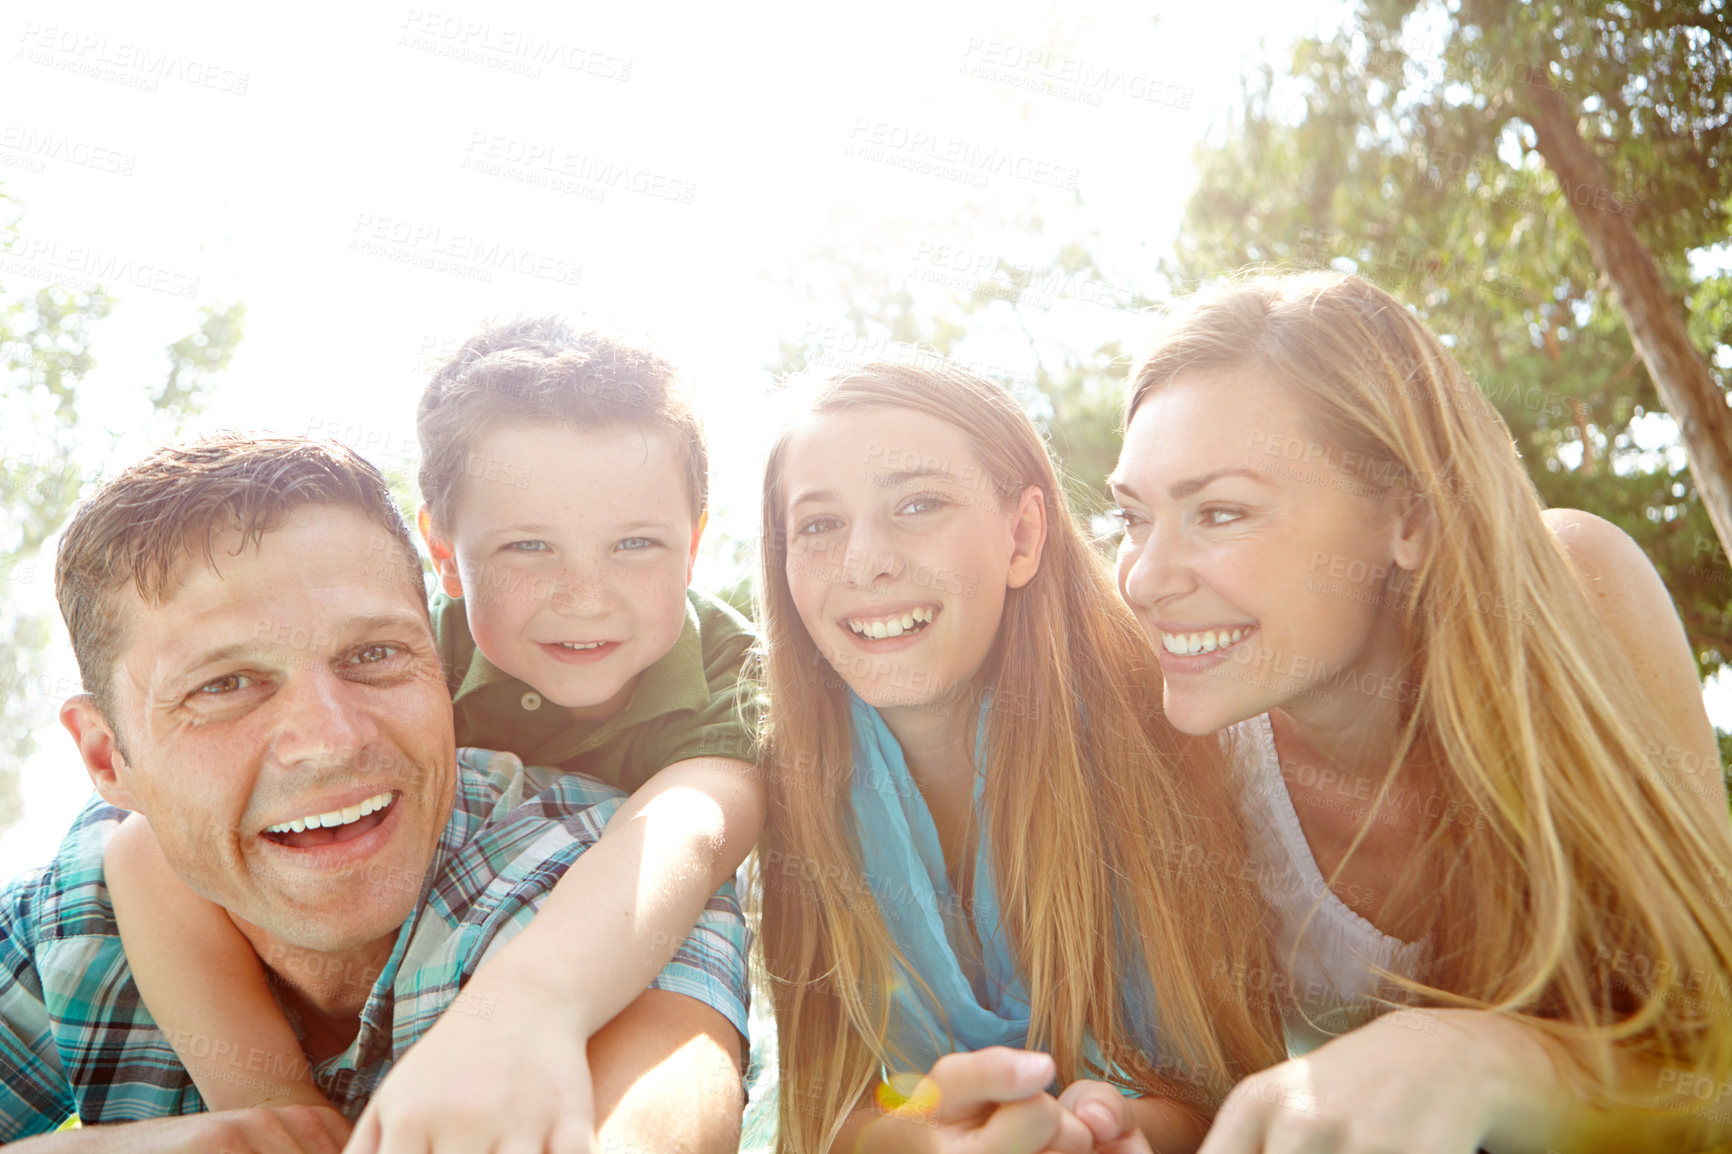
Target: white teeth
x=580, y=644
x=335, y=817
x=894, y=626
x=1209, y=640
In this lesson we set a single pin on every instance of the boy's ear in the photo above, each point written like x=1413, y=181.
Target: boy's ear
x=99, y=748
x=1028, y=537
x=697, y=535
x=444, y=556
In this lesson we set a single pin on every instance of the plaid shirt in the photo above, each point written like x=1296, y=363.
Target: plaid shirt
x=75, y=1038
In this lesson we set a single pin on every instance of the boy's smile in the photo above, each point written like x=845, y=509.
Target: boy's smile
x=573, y=565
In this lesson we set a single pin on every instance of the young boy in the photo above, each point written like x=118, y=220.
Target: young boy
x=565, y=481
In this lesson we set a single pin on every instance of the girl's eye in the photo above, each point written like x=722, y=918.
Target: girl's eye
x=812, y=526
x=222, y=686
x=634, y=544
x=528, y=547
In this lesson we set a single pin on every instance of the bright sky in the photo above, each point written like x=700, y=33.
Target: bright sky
x=373, y=180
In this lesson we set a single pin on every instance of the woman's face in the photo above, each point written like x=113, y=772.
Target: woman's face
x=900, y=551
x=1258, y=557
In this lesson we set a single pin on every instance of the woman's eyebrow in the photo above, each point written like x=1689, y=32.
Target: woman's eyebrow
x=1186, y=488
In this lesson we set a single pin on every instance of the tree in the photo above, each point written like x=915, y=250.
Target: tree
x=1400, y=149
x=45, y=347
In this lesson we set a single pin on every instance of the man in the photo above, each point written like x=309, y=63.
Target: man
x=251, y=626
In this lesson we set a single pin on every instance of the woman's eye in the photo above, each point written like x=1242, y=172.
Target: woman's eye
x=1130, y=523
x=528, y=547
x=923, y=503
x=1220, y=516
x=221, y=686
x=634, y=544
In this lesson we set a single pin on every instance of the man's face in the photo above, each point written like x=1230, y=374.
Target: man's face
x=299, y=680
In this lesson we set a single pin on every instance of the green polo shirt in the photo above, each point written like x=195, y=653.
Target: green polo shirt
x=691, y=702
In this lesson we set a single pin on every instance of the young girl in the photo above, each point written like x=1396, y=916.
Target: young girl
x=1472, y=736
x=984, y=840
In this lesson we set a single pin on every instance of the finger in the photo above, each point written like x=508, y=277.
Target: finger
x=1027, y=1127
x=571, y=1136
x=965, y=1082
x=365, y=1139
x=313, y=1129
x=1099, y=1107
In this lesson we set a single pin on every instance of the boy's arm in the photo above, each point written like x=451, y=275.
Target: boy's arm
x=201, y=980
x=514, y=1041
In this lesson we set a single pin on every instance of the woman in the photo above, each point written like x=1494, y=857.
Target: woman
x=989, y=860
x=1461, y=722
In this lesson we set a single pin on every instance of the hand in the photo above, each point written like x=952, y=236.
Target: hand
x=505, y=1068
x=995, y=1100
x=1414, y=1081
x=261, y=1130
x=1107, y=1114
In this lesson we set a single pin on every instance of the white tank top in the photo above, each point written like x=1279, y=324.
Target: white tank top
x=1330, y=978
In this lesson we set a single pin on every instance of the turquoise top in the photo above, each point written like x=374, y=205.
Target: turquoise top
x=981, y=999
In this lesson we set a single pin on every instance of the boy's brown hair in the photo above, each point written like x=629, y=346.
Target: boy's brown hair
x=142, y=526
x=545, y=370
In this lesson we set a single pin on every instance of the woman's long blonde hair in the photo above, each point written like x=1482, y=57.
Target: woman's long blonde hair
x=1587, y=856
x=1113, y=829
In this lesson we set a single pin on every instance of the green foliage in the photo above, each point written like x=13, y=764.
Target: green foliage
x=1396, y=150
x=45, y=348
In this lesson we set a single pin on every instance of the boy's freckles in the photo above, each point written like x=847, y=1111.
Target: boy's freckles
x=574, y=574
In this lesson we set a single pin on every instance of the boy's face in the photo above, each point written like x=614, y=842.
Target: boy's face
x=572, y=550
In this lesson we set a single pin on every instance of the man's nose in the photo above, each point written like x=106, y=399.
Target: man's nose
x=320, y=720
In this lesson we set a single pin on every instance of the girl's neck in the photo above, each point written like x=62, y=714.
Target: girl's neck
x=937, y=743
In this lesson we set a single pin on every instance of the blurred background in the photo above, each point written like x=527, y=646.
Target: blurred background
x=283, y=218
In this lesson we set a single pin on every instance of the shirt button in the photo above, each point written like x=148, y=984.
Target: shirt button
x=531, y=701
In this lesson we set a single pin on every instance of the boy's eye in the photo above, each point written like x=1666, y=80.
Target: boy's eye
x=528, y=547
x=634, y=544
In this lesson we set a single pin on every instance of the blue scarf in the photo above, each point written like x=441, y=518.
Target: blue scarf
x=904, y=867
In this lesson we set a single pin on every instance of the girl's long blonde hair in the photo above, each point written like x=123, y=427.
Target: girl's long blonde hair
x=1107, y=825
x=1587, y=856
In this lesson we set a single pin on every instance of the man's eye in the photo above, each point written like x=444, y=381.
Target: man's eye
x=373, y=654
x=635, y=544
x=528, y=547
x=230, y=683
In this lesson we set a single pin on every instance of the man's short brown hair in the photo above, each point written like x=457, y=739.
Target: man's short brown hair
x=546, y=370
x=141, y=526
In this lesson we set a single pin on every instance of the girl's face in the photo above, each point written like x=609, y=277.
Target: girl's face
x=900, y=551
x=1259, y=558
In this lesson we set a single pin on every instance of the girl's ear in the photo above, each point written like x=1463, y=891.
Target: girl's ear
x=697, y=535
x=1415, y=530
x=1028, y=537
x=444, y=556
